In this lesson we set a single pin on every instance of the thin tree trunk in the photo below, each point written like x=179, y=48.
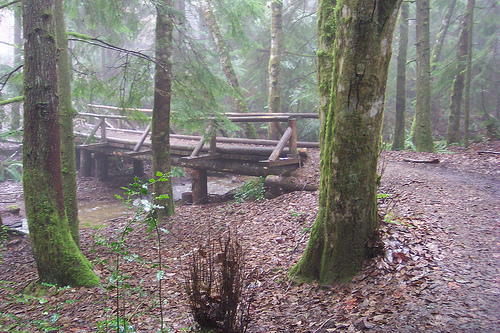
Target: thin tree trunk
x=468, y=79
x=326, y=40
x=160, y=134
x=347, y=217
x=423, y=132
x=274, y=99
x=399, y=125
x=453, y=131
x=58, y=259
x=227, y=66
x=438, y=45
x=66, y=115
x=16, y=107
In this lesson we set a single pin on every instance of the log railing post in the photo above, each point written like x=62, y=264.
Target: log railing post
x=103, y=129
x=292, y=123
x=213, y=139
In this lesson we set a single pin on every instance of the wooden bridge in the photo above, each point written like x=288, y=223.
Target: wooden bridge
x=99, y=136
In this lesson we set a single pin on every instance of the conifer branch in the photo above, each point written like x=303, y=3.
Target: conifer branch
x=99, y=42
x=3, y=5
x=7, y=76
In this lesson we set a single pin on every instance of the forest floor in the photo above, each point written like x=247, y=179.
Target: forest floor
x=439, y=273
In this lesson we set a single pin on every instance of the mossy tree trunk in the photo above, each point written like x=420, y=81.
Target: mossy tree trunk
x=66, y=115
x=58, y=259
x=326, y=40
x=399, y=125
x=227, y=65
x=347, y=217
x=274, y=68
x=422, y=121
x=453, y=130
x=160, y=129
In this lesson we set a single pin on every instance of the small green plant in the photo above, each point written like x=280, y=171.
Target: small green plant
x=178, y=172
x=11, y=170
x=252, y=190
x=138, y=194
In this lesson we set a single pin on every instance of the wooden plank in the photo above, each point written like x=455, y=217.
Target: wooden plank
x=92, y=133
x=143, y=138
x=281, y=162
x=200, y=158
x=139, y=153
x=96, y=115
x=115, y=108
x=281, y=144
x=256, y=114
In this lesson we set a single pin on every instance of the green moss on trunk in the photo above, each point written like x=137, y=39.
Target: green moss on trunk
x=58, y=259
x=66, y=115
x=351, y=127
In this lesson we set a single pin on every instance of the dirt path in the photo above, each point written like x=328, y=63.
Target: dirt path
x=462, y=213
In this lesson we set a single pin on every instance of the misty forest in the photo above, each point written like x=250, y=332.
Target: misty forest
x=249, y=166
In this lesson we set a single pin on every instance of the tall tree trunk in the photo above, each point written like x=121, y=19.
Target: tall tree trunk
x=66, y=115
x=435, y=58
x=16, y=107
x=453, y=130
x=274, y=69
x=443, y=30
x=160, y=134
x=399, y=125
x=58, y=259
x=326, y=40
x=347, y=217
x=227, y=66
x=468, y=79
x=423, y=132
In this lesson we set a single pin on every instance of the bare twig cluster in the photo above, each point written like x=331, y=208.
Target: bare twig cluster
x=215, y=287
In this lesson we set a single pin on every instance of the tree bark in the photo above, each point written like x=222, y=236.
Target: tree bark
x=326, y=39
x=58, y=259
x=66, y=115
x=423, y=131
x=274, y=69
x=453, y=130
x=438, y=45
x=160, y=128
x=468, y=79
x=399, y=125
x=16, y=107
x=347, y=217
x=227, y=66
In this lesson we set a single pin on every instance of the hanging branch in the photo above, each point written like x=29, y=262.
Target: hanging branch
x=7, y=76
x=98, y=42
x=2, y=6
x=12, y=100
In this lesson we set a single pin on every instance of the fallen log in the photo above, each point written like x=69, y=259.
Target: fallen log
x=434, y=161
x=279, y=184
x=489, y=152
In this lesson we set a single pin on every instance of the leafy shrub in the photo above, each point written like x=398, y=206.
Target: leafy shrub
x=252, y=190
